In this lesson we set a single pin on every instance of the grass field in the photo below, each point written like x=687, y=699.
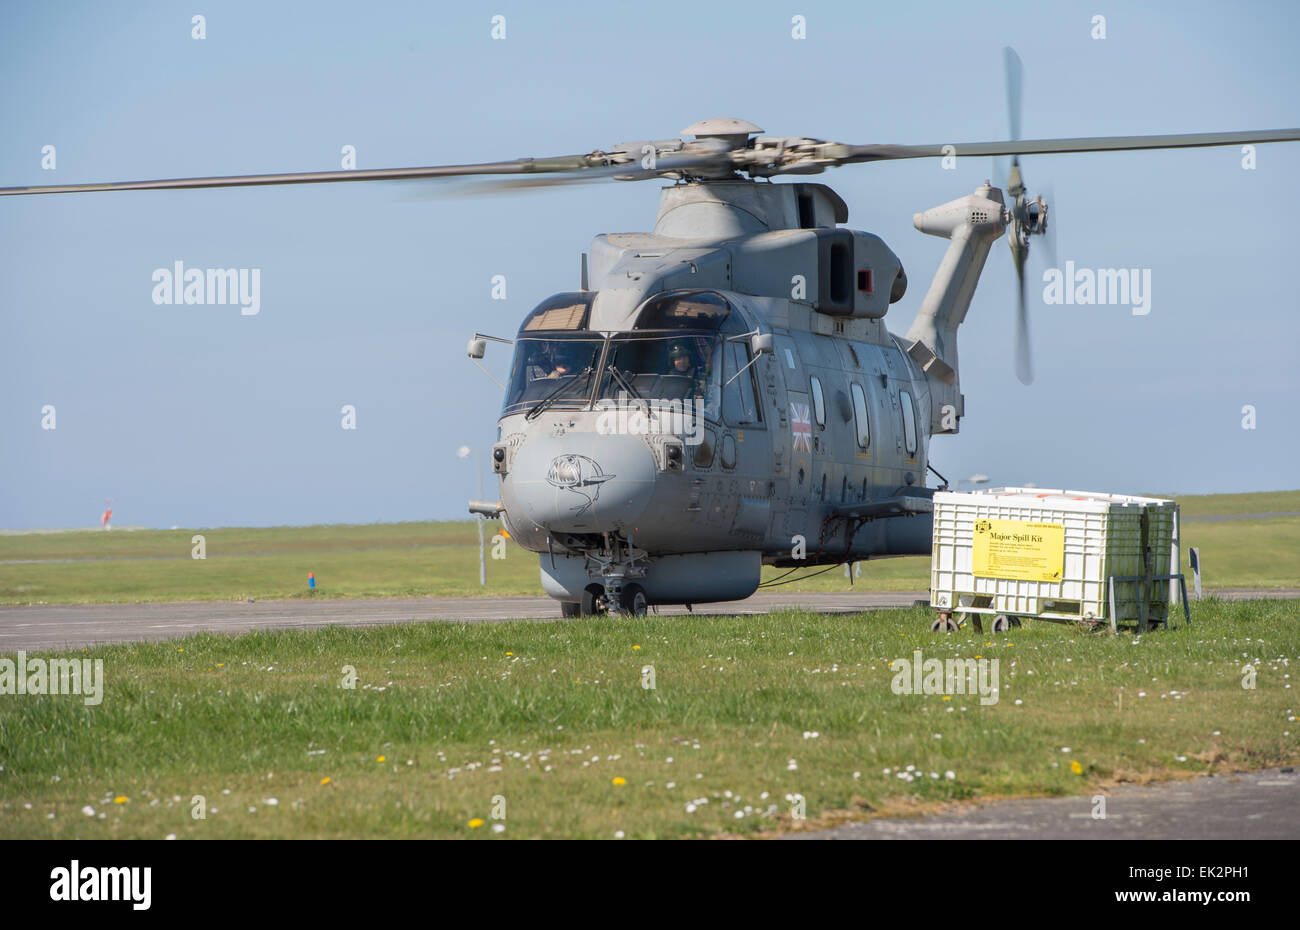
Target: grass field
x=550, y=724
x=408, y=559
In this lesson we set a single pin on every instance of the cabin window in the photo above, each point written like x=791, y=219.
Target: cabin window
x=909, y=423
x=819, y=403
x=860, y=415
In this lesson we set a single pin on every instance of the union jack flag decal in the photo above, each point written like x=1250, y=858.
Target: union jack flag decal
x=801, y=427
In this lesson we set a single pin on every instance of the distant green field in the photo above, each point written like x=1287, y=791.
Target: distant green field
x=412, y=559
x=1202, y=505
x=553, y=726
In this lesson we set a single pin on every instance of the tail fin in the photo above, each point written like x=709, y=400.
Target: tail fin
x=972, y=223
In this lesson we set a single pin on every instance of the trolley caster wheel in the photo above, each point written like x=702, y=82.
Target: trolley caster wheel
x=1015, y=621
x=632, y=601
x=1001, y=623
x=570, y=609
x=593, y=600
x=944, y=623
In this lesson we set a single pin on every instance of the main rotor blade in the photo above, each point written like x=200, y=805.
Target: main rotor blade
x=1015, y=82
x=519, y=166
x=863, y=153
x=627, y=172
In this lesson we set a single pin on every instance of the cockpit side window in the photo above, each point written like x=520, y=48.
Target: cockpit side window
x=740, y=401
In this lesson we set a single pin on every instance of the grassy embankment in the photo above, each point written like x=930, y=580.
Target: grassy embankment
x=553, y=717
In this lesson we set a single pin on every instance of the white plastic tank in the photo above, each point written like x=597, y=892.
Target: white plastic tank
x=1047, y=554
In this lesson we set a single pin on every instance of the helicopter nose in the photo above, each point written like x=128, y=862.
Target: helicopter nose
x=580, y=482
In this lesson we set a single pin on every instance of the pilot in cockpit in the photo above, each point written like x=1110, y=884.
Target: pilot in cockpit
x=564, y=361
x=681, y=362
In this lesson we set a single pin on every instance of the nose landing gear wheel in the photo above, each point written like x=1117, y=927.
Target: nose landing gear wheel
x=632, y=600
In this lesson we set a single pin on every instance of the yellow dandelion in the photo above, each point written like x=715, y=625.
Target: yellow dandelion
x=382, y=759
x=620, y=781
x=636, y=647
x=120, y=800
x=1076, y=768
x=947, y=697
x=325, y=780
x=509, y=653
x=475, y=824
x=221, y=665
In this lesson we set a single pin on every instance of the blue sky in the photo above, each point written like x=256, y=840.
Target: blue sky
x=200, y=416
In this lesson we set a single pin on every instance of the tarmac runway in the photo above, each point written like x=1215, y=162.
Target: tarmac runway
x=76, y=625
x=1261, y=805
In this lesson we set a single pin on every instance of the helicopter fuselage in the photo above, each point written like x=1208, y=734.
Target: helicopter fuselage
x=725, y=394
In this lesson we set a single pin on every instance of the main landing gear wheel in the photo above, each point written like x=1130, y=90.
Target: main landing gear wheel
x=944, y=624
x=632, y=600
x=570, y=609
x=592, y=600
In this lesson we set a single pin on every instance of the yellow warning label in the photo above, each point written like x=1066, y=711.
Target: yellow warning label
x=1019, y=550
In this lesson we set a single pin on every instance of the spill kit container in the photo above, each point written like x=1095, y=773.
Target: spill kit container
x=1074, y=556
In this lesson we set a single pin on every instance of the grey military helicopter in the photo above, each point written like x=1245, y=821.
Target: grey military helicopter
x=721, y=392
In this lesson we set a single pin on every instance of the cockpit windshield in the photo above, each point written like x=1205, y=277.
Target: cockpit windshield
x=552, y=370
x=682, y=368
x=679, y=352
